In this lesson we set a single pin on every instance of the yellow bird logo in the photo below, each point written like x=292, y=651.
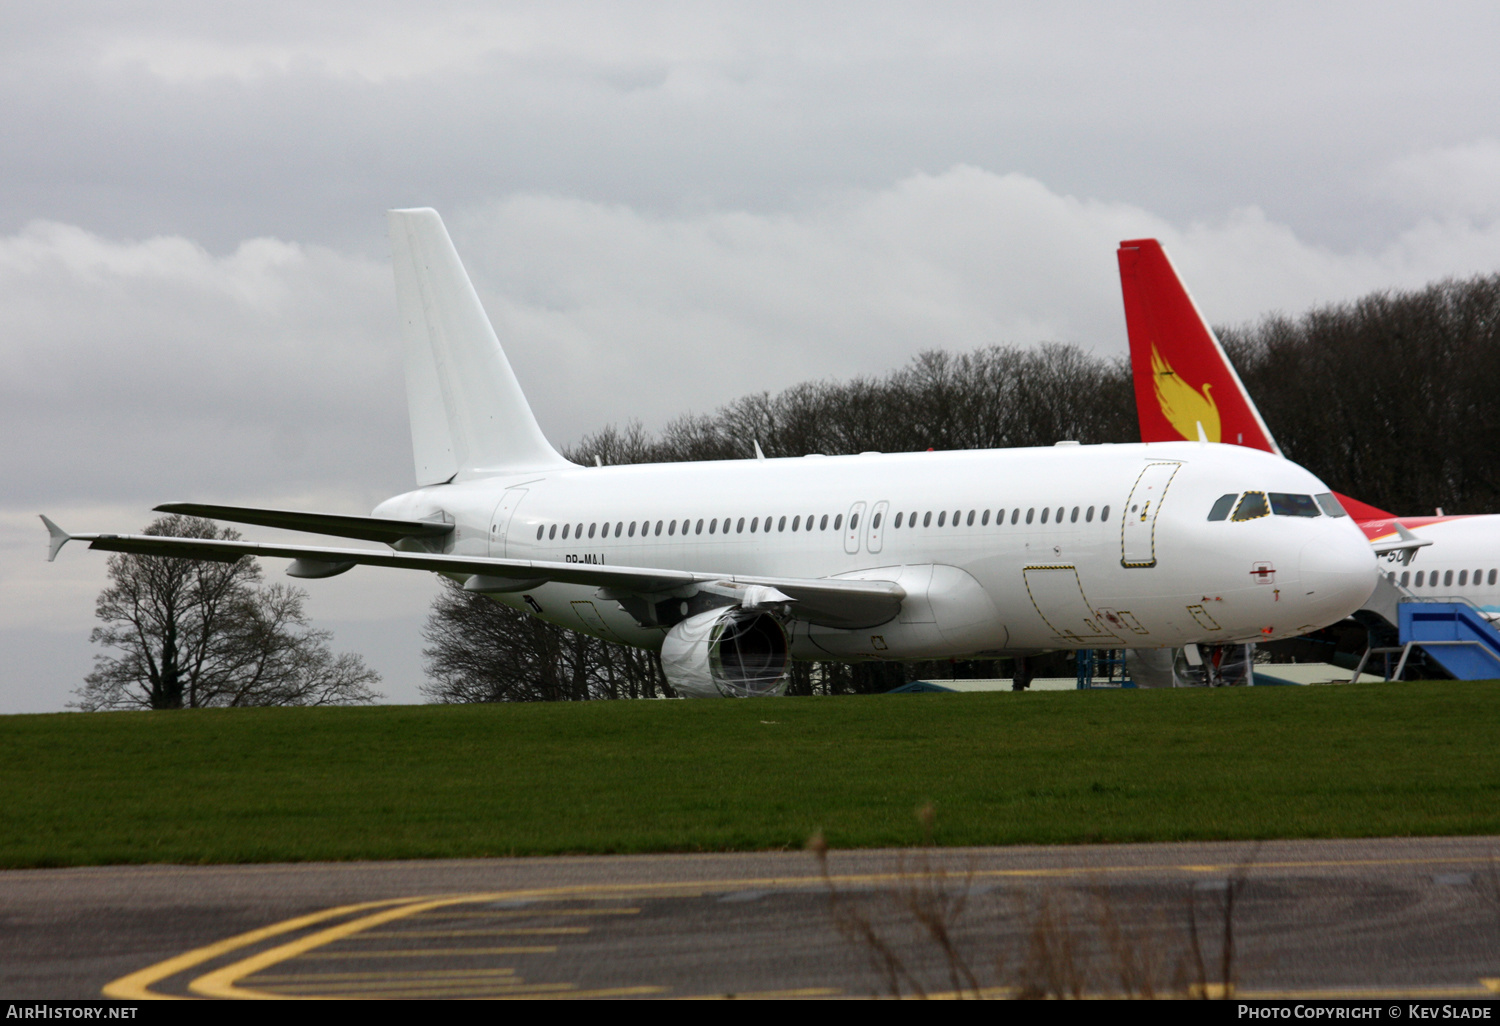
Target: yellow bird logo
x=1184, y=406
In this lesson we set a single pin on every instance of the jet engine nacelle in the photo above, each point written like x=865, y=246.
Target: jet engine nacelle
x=731, y=651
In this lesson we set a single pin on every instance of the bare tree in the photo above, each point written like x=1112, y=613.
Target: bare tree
x=195, y=633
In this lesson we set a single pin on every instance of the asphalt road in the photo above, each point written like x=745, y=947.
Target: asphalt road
x=1383, y=917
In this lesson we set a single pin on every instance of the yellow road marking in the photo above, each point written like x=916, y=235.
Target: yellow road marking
x=136, y=986
x=416, y=975
x=221, y=982
x=511, y=931
x=425, y=990
x=611, y=992
x=431, y=952
x=766, y=995
x=526, y=914
x=1491, y=985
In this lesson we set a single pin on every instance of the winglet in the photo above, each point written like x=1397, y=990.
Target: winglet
x=58, y=538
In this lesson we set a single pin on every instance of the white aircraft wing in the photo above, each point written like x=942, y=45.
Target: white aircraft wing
x=378, y=529
x=835, y=603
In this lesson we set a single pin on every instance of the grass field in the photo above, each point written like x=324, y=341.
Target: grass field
x=439, y=781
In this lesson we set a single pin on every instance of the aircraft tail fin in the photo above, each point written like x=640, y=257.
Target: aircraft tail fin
x=1362, y=511
x=1185, y=386
x=469, y=417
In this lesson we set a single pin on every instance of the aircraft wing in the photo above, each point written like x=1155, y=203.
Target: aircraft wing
x=376, y=529
x=835, y=603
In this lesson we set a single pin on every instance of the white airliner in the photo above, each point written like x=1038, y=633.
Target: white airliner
x=1185, y=385
x=731, y=569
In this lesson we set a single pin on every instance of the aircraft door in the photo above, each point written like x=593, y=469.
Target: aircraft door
x=1138, y=518
x=500, y=520
x=1057, y=595
x=877, y=525
x=853, y=527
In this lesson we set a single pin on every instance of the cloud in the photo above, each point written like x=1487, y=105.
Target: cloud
x=132, y=367
x=1446, y=182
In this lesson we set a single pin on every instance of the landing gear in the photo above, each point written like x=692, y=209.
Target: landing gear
x=1021, y=679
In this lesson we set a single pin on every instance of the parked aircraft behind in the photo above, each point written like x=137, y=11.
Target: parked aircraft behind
x=732, y=568
x=1185, y=387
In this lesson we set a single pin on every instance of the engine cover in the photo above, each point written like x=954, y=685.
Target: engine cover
x=731, y=652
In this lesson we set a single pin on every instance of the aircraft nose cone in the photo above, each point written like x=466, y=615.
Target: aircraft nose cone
x=1337, y=573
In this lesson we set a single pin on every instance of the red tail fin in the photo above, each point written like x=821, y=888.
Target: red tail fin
x=1362, y=511
x=1184, y=384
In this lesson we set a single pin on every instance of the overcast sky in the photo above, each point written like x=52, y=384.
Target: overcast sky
x=664, y=206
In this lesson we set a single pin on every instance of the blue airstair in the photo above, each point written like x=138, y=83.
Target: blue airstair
x=1453, y=634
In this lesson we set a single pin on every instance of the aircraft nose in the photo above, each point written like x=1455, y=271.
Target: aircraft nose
x=1337, y=573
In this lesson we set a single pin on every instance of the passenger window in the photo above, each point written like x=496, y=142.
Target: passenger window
x=1420, y=575
x=984, y=521
x=876, y=522
x=1463, y=578
x=739, y=526
x=658, y=528
x=1330, y=504
x=853, y=521
x=1088, y=517
x=1074, y=518
x=956, y=515
x=671, y=527
x=970, y=521
x=823, y=524
x=1252, y=505
x=899, y=518
x=1405, y=578
x=838, y=522
x=591, y=529
x=565, y=531
x=927, y=519
x=1104, y=514
x=631, y=532
x=1060, y=511
x=942, y=517
x=1030, y=513
x=754, y=524
x=712, y=525
x=699, y=528
x=1015, y=515
x=781, y=524
x=1046, y=511
x=796, y=522
x=1284, y=504
x=1492, y=577
x=1222, y=505
x=1448, y=579
x=539, y=531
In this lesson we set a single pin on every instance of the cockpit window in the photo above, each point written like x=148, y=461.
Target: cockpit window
x=1331, y=505
x=1285, y=504
x=1222, y=507
x=1252, y=505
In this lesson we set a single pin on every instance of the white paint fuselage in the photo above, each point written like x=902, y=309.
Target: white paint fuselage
x=1023, y=583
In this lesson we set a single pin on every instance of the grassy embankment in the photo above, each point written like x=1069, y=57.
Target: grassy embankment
x=439, y=781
